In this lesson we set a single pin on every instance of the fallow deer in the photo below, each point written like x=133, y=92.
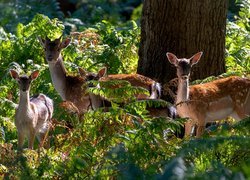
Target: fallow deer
x=70, y=88
x=33, y=115
x=211, y=101
x=74, y=88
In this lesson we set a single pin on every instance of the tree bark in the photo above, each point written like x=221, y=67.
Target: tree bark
x=183, y=27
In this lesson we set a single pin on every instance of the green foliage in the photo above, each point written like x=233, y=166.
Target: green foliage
x=120, y=56
x=94, y=11
x=24, y=46
x=137, y=12
x=41, y=26
x=217, y=157
x=105, y=45
x=238, y=41
x=218, y=154
x=118, y=91
x=14, y=12
x=97, y=10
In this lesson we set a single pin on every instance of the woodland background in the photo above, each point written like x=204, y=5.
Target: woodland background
x=123, y=143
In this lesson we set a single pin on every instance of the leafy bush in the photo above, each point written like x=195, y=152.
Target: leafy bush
x=105, y=45
x=14, y=12
x=115, y=11
x=136, y=15
x=238, y=41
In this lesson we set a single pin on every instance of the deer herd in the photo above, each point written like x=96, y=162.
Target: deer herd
x=203, y=103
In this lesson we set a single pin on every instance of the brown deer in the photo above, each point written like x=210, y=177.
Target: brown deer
x=211, y=101
x=33, y=115
x=74, y=88
x=70, y=88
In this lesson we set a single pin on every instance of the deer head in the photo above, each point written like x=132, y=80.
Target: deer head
x=184, y=65
x=24, y=81
x=53, y=48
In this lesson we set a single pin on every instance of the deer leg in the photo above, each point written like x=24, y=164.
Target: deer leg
x=200, y=120
x=21, y=137
x=31, y=139
x=200, y=130
x=188, y=128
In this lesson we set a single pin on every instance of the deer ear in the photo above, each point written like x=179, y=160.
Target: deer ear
x=102, y=72
x=172, y=58
x=195, y=58
x=14, y=74
x=65, y=43
x=34, y=75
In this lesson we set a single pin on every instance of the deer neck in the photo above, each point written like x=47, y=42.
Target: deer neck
x=183, y=90
x=58, y=76
x=24, y=101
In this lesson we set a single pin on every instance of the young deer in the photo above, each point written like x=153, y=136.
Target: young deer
x=33, y=115
x=211, y=101
x=71, y=88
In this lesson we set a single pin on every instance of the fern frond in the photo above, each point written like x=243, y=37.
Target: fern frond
x=114, y=84
x=242, y=124
x=242, y=127
x=203, y=145
x=140, y=107
x=119, y=91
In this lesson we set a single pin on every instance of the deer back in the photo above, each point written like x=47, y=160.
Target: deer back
x=236, y=87
x=44, y=105
x=139, y=81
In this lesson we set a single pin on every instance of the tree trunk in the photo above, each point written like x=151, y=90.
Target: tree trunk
x=183, y=27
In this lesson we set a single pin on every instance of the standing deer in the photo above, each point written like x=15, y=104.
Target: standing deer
x=211, y=101
x=74, y=88
x=33, y=115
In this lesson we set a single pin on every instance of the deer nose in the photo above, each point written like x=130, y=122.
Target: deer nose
x=50, y=57
x=184, y=77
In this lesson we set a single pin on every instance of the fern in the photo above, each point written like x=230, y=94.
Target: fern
x=237, y=41
x=242, y=127
x=118, y=91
